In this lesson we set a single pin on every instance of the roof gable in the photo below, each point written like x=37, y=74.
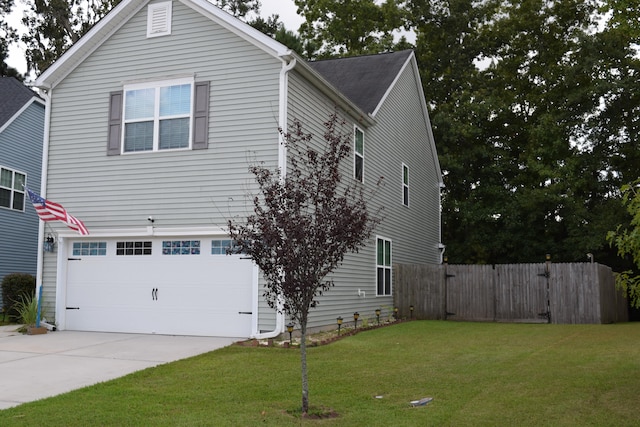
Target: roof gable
x=126, y=9
x=15, y=96
x=363, y=79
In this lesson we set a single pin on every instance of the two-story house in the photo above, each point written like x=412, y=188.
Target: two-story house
x=155, y=116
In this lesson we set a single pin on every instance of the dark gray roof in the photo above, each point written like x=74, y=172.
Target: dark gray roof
x=13, y=96
x=363, y=79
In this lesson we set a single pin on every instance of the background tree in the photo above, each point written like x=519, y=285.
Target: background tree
x=627, y=241
x=8, y=35
x=522, y=98
x=357, y=27
x=53, y=26
x=303, y=225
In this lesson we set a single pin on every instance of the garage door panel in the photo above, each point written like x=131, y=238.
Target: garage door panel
x=199, y=294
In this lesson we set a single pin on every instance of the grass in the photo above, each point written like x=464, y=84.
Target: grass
x=479, y=374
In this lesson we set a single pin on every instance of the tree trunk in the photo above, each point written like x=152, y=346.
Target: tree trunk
x=303, y=364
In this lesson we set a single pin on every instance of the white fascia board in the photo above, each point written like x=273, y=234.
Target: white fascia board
x=84, y=47
x=238, y=27
x=412, y=62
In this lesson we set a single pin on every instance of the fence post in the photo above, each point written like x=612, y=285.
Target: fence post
x=548, y=293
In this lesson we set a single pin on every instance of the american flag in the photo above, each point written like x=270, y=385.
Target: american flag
x=51, y=211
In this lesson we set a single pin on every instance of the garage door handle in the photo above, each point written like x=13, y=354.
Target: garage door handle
x=154, y=294
x=245, y=312
x=73, y=308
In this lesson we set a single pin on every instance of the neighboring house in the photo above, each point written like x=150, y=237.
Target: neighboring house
x=156, y=115
x=21, y=134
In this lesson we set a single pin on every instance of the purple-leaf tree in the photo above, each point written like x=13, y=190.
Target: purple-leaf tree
x=304, y=223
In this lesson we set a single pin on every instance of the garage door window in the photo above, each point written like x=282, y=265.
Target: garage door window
x=181, y=247
x=220, y=247
x=133, y=248
x=89, y=248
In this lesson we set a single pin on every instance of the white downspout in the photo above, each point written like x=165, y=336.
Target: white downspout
x=43, y=185
x=282, y=165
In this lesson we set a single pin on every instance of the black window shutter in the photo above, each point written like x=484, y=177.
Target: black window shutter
x=115, y=123
x=201, y=116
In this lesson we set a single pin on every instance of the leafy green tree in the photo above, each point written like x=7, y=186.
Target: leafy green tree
x=53, y=26
x=627, y=241
x=303, y=224
x=522, y=98
x=351, y=28
x=7, y=36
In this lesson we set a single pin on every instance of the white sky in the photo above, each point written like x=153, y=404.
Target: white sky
x=286, y=9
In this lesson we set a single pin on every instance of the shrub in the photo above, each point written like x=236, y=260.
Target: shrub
x=15, y=288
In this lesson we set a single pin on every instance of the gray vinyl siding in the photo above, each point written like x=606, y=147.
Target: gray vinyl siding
x=400, y=135
x=179, y=188
x=312, y=108
x=21, y=150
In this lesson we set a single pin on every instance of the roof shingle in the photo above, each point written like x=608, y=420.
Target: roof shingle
x=363, y=79
x=13, y=96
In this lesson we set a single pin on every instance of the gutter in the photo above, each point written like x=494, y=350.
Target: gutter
x=288, y=63
x=43, y=189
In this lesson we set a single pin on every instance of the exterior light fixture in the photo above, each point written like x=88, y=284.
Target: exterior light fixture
x=49, y=244
x=290, y=330
x=395, y=312
x=339, y=320
x=378, y=315
x=411, y=312
x=355, y=319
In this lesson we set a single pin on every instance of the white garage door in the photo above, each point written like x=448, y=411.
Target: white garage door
x=164, y=286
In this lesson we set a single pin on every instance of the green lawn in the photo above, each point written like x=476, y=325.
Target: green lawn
x=479, y=374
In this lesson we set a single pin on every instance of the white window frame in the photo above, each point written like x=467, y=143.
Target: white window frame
x=357, y=155
x=157, y=85
x=405, y=185
x=159, y=19
x=13, y=190
x=387, y=286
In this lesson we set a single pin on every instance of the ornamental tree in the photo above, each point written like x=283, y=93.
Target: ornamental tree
x=303, y=224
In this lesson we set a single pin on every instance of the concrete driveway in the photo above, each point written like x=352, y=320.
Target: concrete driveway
x=33, y=367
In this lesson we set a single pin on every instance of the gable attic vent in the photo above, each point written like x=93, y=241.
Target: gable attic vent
x=159, y=19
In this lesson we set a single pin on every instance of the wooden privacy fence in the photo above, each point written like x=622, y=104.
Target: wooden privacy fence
x=545, y=292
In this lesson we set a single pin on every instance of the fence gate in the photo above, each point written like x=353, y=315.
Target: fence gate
x=522, y=292
x=469, y=292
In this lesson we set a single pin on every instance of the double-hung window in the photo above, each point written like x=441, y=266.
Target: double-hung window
x=157, y=116
x=12, y=190
x=383, y=266
x=405, y=185
x=358, y=165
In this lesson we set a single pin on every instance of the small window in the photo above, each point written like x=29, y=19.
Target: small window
x=157, y=116
x=358, y=169
x=383, y=267
x=220, y=247
x=89, y=248
x=159, y=19
x=133, y=248
x=12, y=190
x=181, y=247
x=405, y=185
